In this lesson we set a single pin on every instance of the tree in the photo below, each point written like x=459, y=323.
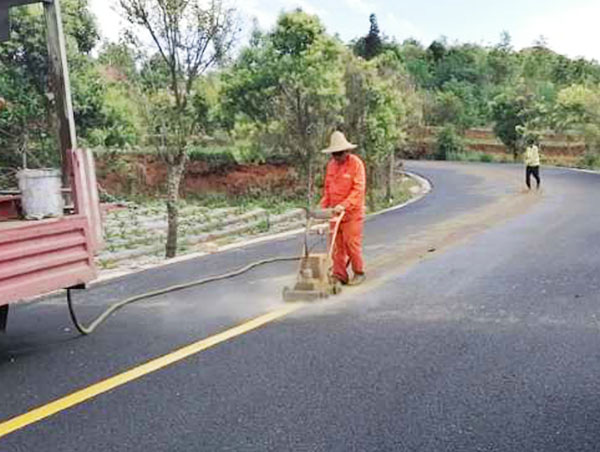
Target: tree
x=448, y=142
x=464, y=63
x=501, y=62
x=513, y=111
x=190, y=37
x=437, y=50
x=122, y=124
x=578, y=108
x=252, y=82
x=23, y=123
x=310, y=86
x=120, y=59
x=416, y=60
x=371, y=45
x=508, y=115
x=446, y=108
x=290, y=80
x=26, y=127
x=373, y=117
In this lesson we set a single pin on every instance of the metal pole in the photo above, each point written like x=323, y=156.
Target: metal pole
x=60, y=86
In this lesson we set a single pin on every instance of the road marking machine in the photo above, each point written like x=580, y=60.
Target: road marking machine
x=315, y=278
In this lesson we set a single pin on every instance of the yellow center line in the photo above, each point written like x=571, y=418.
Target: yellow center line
x=101, y=387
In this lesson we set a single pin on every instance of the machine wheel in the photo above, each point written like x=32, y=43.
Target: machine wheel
x=336, y=289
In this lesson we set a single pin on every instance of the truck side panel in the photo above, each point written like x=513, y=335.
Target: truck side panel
x=40, y=257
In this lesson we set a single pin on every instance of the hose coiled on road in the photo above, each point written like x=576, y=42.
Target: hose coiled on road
x=85, y=330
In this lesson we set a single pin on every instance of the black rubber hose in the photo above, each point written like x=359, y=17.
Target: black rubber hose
x=85, y=330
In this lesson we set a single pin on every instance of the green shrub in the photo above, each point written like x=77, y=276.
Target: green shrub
x=456, y=156
x=248, y=152
x=448, y=142
x=472, y=156
x=590, y=160
x=218, y=159
x=487, y=158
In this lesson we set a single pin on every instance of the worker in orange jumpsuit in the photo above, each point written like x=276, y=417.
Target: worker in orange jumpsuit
x=344, y=191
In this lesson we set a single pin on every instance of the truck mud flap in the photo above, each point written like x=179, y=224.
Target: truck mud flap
x=3, y=317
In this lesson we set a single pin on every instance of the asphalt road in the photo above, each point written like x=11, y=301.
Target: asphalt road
x=478, y=330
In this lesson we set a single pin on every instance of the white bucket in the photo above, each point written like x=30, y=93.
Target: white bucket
x=41, y=195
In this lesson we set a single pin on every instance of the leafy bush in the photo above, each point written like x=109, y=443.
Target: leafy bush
x=248, y=152
x=448, y=142
x=218, y=159
x=590, y=160
x=472, y=156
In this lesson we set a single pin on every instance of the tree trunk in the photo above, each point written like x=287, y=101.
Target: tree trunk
x=174, y=174
x=371, y=186
x=389, y=193
x=310, y=185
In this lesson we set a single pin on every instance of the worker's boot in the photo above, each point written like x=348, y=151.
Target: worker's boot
x=341, y=280
x=357, y=279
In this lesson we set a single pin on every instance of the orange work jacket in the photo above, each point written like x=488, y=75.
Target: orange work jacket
x=345, y=184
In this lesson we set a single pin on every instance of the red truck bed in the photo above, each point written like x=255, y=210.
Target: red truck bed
x=37, y=257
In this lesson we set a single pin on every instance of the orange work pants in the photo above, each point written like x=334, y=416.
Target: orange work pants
x=348, y=249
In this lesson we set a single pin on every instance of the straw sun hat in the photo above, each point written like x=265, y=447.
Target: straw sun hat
x=338, y=143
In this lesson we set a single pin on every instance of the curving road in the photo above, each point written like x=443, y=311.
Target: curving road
x=479, y=330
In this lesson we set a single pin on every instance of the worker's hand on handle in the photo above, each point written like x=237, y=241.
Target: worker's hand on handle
x=339, y=209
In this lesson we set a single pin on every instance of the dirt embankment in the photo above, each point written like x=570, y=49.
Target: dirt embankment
x=557, y=148
x=147, y=175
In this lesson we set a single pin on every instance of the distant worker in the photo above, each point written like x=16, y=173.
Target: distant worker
x=344, y=191
x=532, y=161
